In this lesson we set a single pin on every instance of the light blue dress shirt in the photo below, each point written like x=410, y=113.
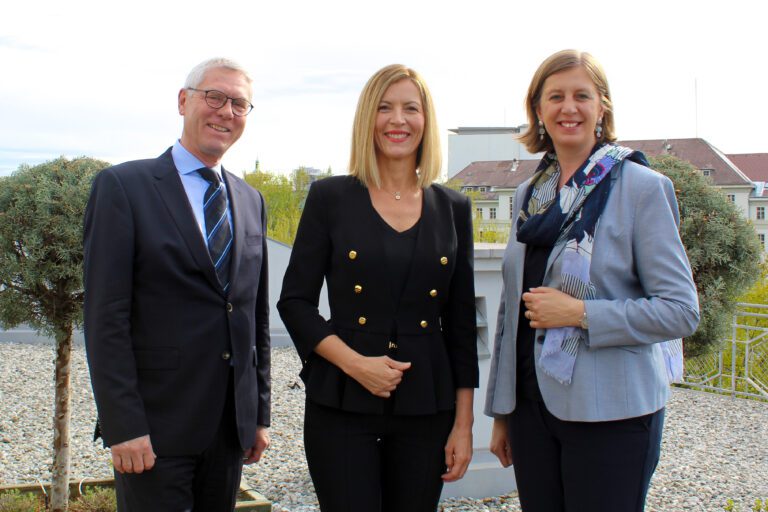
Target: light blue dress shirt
x=194, y=184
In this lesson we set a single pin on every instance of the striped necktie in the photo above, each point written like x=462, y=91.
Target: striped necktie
x=218, y=232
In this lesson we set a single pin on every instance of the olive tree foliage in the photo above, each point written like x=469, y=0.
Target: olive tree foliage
x=41, y=267
x=722, y=246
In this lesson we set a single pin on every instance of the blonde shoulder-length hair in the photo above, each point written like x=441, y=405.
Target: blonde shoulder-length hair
x=362, y=159
x=560, y=61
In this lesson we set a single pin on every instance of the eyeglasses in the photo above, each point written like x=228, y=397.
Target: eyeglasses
x=217, y=99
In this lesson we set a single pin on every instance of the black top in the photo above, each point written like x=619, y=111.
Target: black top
x=398, y=249
x=533, y=276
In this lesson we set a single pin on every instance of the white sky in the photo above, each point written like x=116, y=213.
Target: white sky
x=100, y=78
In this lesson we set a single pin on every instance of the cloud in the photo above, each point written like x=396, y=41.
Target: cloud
x=12, y=158
x=14, y=44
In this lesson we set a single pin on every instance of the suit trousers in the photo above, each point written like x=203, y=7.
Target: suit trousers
x=205, y=482
x=375, y=463
x=582, y=466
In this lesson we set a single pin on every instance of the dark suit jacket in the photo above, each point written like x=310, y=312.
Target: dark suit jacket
x=339, y=239
x=160, y=333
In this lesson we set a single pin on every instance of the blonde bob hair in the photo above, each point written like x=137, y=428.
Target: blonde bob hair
x=561, y=61
x=362, y=159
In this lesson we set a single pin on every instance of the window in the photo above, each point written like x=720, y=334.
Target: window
x=731, y=197
x=481, y=189
x=492, y=213
x=479, y=213
x=761, y=236
x=760, y=214
x=706, y=172
x=512, y=212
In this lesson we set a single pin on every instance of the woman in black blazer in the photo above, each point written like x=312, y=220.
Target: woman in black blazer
x=390, y=376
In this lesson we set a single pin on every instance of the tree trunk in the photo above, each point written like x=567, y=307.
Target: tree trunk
x=60, y=469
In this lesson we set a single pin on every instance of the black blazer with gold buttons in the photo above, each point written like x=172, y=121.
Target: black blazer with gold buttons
x=435, y=326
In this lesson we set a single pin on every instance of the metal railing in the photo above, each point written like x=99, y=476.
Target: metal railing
x=740, y=368
x=498, y=225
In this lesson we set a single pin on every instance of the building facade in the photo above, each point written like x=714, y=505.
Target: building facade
x=742, y=178
x=466, y=145
x=755, y=166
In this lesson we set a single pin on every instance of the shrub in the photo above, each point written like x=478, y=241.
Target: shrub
x=722, y=247
x=95, y=500
x=15, y=501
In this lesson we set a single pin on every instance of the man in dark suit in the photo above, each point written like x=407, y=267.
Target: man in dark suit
x=176, y=309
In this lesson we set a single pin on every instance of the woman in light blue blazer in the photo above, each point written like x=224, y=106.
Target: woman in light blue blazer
x=597, y=294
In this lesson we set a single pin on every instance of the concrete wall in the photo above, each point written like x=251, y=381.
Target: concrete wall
x=485, y=476
x=279, y=255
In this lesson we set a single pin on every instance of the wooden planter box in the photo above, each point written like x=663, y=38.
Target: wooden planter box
x=248, y=500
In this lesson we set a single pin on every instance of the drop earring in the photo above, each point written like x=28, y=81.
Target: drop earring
x=599, y=129
x=541, y=130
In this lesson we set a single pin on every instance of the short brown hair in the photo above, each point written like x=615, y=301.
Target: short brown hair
x=560, y=61
x=362, y=159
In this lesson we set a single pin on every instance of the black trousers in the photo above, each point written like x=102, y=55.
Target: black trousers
x=579, y=466
x=207, y=482
x=375, y=463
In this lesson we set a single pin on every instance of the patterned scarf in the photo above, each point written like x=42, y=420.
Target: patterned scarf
x=549, y=217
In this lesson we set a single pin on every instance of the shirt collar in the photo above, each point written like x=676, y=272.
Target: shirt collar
x=186, y=162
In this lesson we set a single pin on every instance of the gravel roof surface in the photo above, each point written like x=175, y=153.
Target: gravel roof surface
x=715, y=448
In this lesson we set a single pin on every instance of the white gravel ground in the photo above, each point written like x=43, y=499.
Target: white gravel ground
x=714, y=448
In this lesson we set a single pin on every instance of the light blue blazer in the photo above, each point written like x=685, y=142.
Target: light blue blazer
x=645, y=295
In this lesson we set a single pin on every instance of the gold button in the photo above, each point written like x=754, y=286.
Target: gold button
x=361, y=320
x=392, y=345
x=358, y=288
x=352, y=255
x=225, y=356
x=229, y=307
x=444, y=260
x=433, y=293
x=424, y=324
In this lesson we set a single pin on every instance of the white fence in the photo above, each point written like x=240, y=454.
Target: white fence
x=740, y=368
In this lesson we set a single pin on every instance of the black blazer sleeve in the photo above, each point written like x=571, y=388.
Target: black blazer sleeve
x=458, y=319
x=108, y=279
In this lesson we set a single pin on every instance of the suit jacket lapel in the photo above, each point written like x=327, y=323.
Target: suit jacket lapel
x=557, y=250
x=366, y=238
x=171, y=190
